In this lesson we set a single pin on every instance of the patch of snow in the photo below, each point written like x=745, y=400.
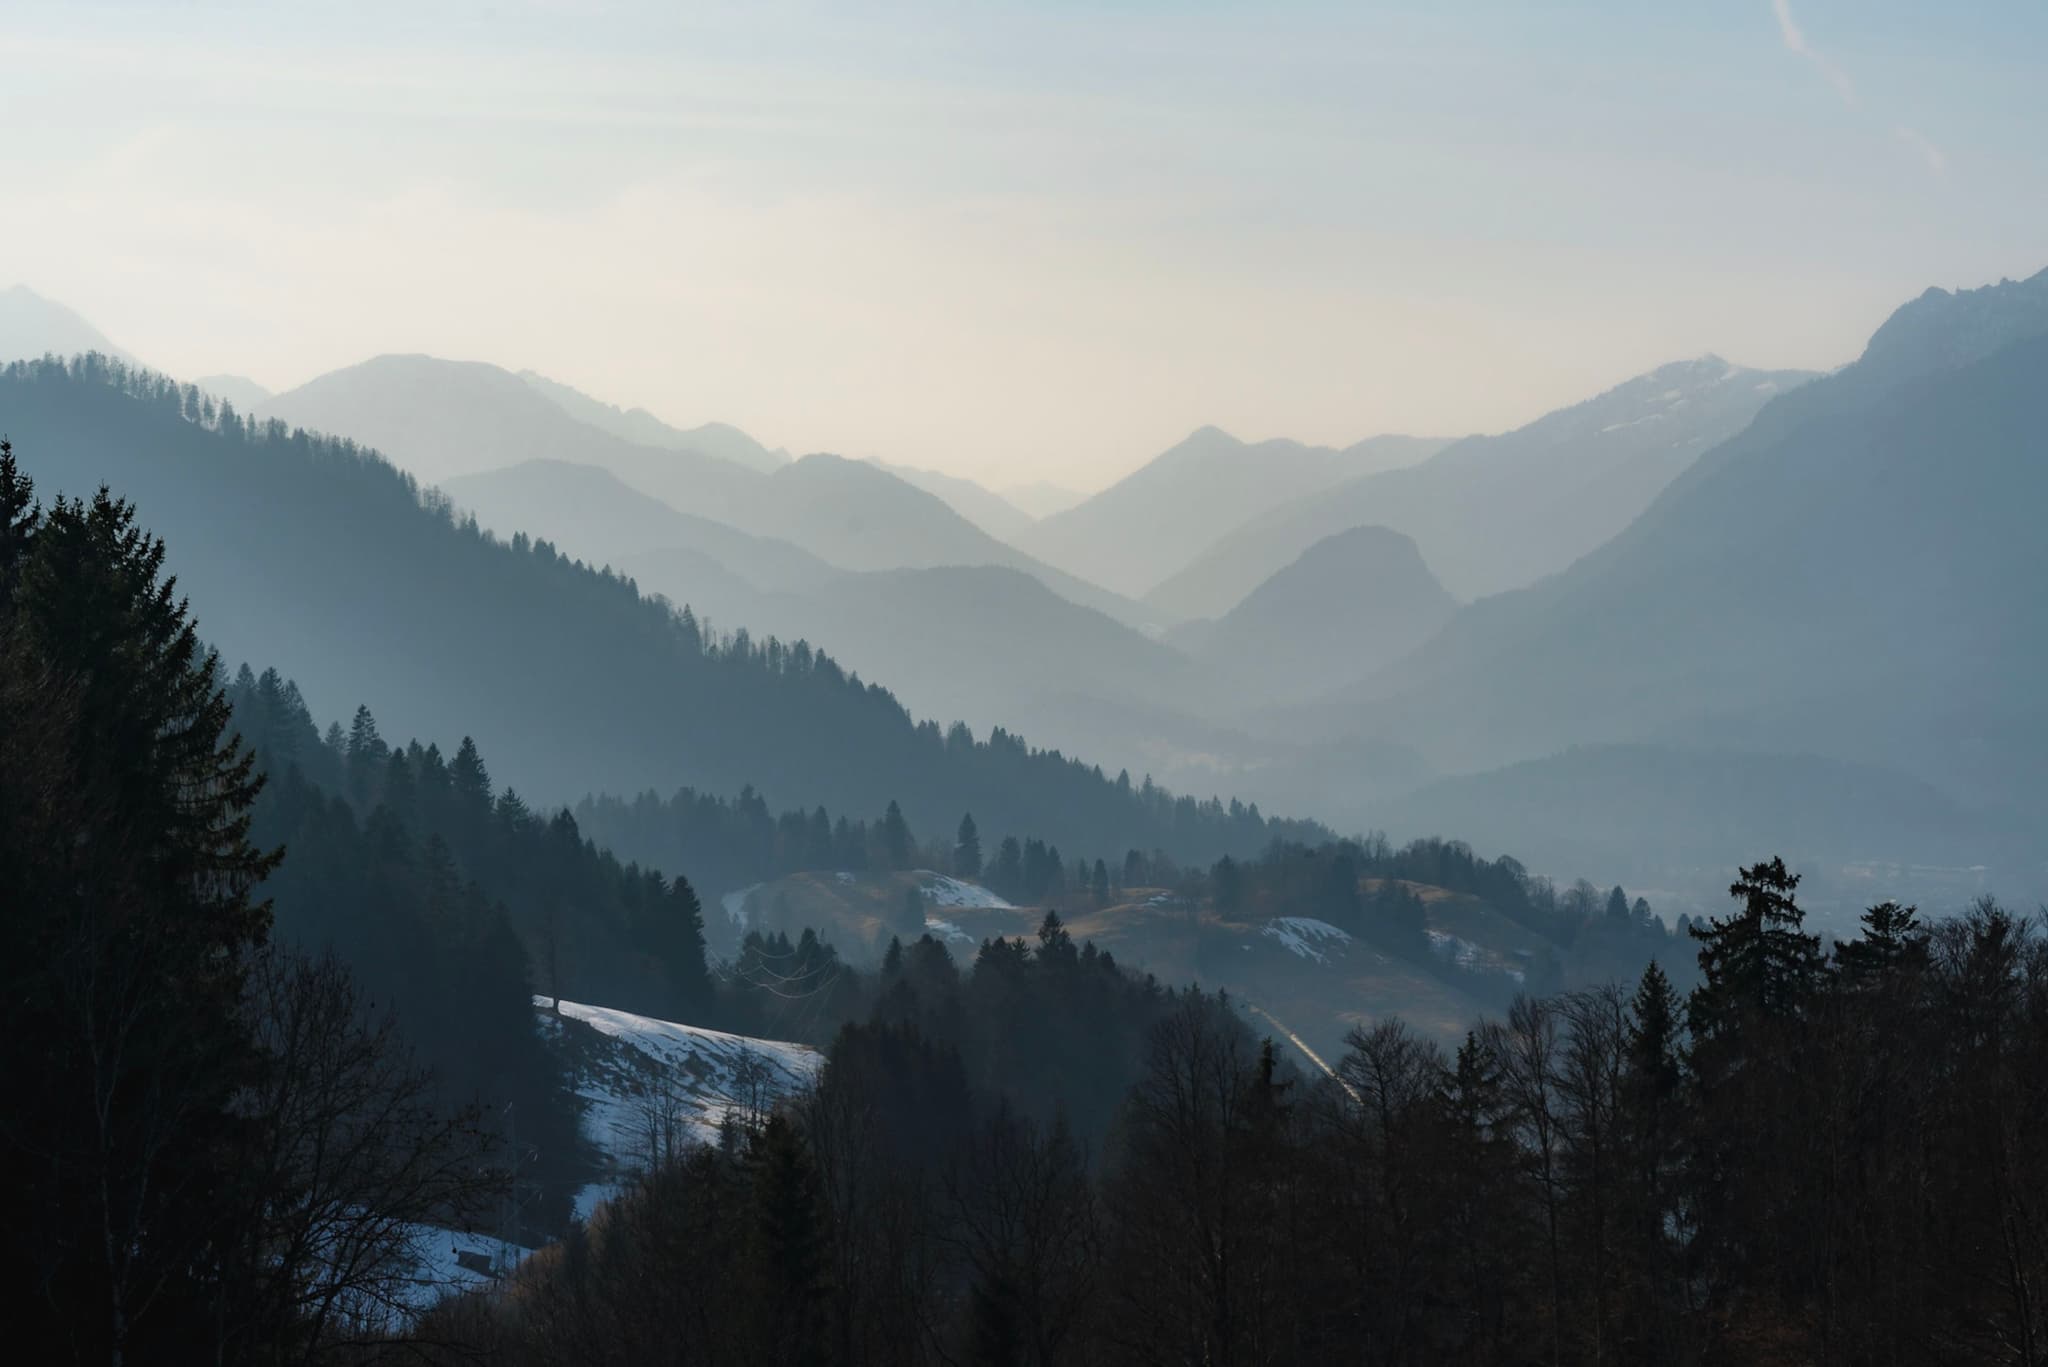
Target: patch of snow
x=1306, y=936
x=445, y=1262
x=947, y=931
x=651, y=1087
x=943, y=891
x=844, y=877
x=1468, y=955
x=735, y=904
x=1767, y=386
x=1462, y=952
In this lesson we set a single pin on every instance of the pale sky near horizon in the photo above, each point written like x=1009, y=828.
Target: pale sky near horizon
x=1021, y=241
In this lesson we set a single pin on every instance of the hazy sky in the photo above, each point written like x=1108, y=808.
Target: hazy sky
x=1021, y=240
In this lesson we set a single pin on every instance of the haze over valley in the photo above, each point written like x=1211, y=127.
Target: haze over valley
x=1031, y=686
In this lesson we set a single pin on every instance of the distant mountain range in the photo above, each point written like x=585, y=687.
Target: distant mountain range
x=1148, y=524
x=443, y=420
x=1704, y=578
x=981, y=643
x=1855, y=577
x=32, y=326
x=1495, y=513
x=642, y=428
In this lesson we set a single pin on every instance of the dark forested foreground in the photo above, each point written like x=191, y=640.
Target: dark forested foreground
x=1812, y=1159
x=218, y=1145
x=213, y=1148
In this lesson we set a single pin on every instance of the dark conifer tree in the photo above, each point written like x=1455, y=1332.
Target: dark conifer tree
x=1757, y=961
x=897, y=844
x=129, y=887
x=1891, y=937
x=967, y=850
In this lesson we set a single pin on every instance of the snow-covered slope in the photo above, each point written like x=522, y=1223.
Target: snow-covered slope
x=943, y=890
x=651, y=1087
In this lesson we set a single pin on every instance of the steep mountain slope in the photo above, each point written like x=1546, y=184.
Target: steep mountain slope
x=1147, y=525
x=986, y=509
x=1352, y=603
x=322, y=558
x=642, y=428
x=976, y=643
x=650, y=1088
x=1496, y=513
x=32, y=326
x=591, y=514
x=1856, y=576
x=984, y=644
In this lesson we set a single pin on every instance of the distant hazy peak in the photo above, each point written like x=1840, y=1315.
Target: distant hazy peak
x=1209, y=440
x=717, y=439
x=1653, y=396
x=32, y=326
x=1944, y=329
x=1365, y=559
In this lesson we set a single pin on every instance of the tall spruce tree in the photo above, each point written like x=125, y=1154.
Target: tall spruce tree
x=897, y=845
x=1758, y=961
x=129, y=883
x=967, y=850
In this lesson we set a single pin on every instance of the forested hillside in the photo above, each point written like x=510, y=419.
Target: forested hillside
x=1816, y=1155
x=319, y=557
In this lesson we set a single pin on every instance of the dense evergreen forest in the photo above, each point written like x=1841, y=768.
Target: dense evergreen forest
x=1812, y=1158
x=734, y=842
x=323, y=559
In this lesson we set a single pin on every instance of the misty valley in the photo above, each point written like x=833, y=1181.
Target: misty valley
x=922, y=864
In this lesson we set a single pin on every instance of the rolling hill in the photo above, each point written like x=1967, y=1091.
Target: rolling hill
x=1351, y=604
